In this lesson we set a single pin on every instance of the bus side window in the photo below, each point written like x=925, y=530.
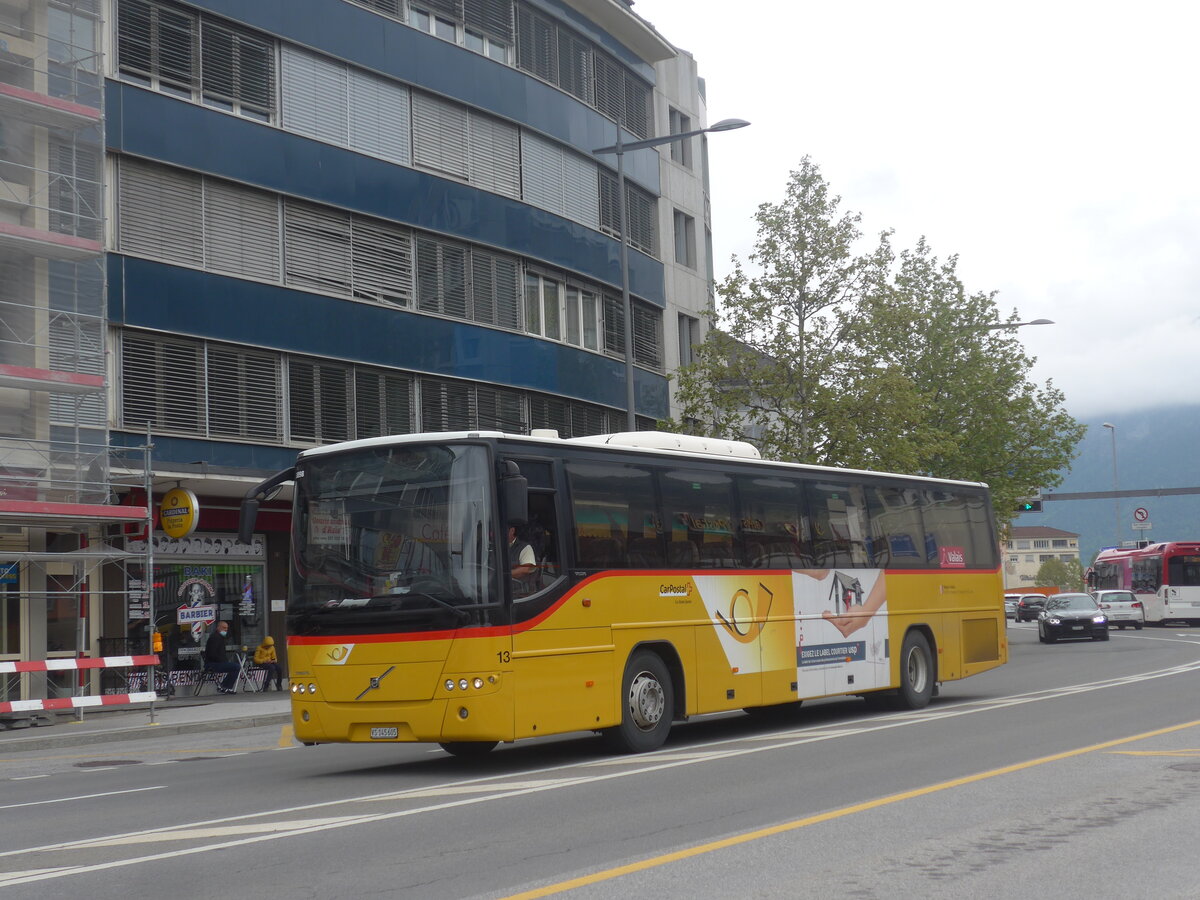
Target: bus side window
x=698, y=507
x=613, y=507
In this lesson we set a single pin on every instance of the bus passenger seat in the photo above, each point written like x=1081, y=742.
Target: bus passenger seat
x=600, y=553
x=683, y=555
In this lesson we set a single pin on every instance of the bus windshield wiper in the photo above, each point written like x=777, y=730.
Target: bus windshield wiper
x=460, y=614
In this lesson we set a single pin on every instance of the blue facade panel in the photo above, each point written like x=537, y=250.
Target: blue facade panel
x=162, y=128
x=152, y=295
x=266, y=460
x=372, y=41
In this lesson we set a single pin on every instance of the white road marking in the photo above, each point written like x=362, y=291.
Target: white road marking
x=194, y=834
x=158, y=787
x=449, y=790
x=491, y=788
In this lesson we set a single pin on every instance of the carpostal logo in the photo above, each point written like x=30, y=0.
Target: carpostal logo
x=675, y=590
x=952, y=557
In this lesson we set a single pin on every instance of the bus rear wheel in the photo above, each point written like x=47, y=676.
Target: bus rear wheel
x=647, y=705
x=916, y=672
x=468, y=749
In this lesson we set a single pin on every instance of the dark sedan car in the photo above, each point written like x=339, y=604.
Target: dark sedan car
x=1075, y=616
x=1029, y=606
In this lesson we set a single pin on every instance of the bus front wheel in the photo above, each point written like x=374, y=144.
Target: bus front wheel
x=468, y=749
x=647, y=705
x=916, y=672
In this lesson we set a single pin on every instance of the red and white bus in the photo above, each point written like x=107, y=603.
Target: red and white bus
x=1165, y=576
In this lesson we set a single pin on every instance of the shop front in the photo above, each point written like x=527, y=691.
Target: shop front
x=198, y=581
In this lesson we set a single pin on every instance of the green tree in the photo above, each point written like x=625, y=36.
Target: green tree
x=871, y=360
x=779, y=371
x=1066, y=575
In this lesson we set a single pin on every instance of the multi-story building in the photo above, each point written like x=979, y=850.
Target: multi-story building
x=329, y=219
x=1028, y=546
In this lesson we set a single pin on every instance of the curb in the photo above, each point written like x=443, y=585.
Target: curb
x=48, y=742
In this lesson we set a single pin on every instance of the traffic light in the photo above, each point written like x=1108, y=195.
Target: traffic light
x=156, y=644
x=1024, y=506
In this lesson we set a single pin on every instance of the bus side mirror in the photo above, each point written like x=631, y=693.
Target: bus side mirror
x=514, y=494
x=247, y=518
x=260, y=494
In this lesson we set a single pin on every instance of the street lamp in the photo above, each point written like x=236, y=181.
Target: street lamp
x=1112, y=429
x=620, y=148
x=1014, y=325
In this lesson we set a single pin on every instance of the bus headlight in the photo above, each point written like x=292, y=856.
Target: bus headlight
x=463, y=683
x=477, y=683
x=449, y=684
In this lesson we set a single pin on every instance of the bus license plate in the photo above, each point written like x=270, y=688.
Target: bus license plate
x=385, y=734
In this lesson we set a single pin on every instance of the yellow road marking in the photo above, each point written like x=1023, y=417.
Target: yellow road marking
x=700, y=849
x=287, y=736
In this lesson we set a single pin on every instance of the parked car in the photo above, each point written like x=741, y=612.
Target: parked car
x=1076, y=616
x=1122, y=608
x=1010, y=605
x=1029, y=606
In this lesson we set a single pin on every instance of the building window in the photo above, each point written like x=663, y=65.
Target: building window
x=196, y=57
x=681, y=151
x=689, y=337
x=1022, y=545
x=558, y=55
x=1045, y=557
x=1058, y=543
x=482, y=26
x=647, y=332
x=1041, y=545
x=685, y=239
x=641, y=210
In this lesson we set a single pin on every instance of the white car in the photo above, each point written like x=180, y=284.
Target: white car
x=1122, y=608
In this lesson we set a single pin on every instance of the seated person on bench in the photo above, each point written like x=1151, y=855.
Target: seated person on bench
x=215, y=659
x=264, y=656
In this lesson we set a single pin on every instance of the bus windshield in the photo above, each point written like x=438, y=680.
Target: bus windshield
x=392, y=538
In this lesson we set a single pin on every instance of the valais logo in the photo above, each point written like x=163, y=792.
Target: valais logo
x=952, y=557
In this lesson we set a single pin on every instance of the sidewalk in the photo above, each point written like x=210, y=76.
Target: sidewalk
x=179, y=715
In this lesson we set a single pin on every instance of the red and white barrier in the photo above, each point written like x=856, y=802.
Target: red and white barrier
x=77, y=702
x=59, y=665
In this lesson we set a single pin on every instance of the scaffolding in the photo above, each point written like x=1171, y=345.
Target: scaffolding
x=60, y=519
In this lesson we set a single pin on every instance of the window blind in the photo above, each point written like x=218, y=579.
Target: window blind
x=494, y=155
x=159, y=212
x=382, y=261
x=380, y=118
x=315, y=96
x=241, y=231
x=317, y=247
x=243, y=394
x=440, y=135
x=318, y=401
x=237, y=68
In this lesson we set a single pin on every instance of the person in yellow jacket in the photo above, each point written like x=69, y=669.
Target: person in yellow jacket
x=264, y=655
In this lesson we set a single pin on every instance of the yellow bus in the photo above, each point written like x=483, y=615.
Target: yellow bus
x=650, y=577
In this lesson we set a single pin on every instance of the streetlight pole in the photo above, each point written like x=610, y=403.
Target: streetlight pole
x=1112, y=430
x=620, y=148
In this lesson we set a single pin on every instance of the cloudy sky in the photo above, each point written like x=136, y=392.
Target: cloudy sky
x=1050, y=145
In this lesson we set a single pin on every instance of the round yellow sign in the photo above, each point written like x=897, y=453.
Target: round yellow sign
x=179, y=513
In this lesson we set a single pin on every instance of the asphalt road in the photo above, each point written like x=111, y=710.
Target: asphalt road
x=1073, y=771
